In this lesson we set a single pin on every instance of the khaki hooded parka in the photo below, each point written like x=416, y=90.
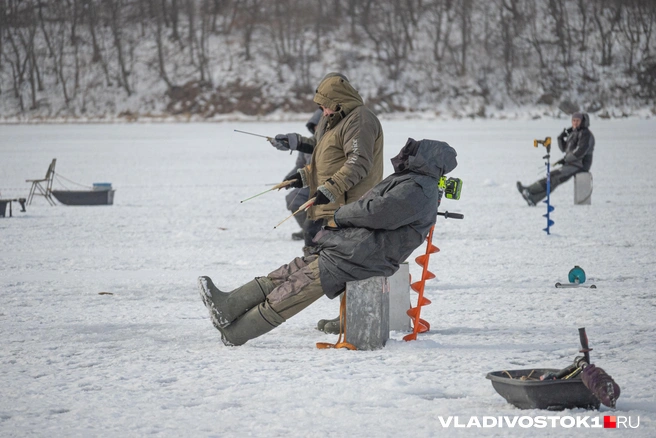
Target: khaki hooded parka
x=348, y=147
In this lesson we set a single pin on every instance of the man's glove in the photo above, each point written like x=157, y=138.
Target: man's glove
x=559, y=162
x=565, y=133
x=286, y=142
x=321, y=198
x=297, y=181
x=323, y=195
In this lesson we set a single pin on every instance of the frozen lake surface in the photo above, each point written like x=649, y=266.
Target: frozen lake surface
x=146, y=360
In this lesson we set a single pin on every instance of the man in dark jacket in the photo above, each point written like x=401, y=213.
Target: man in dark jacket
x=578, y=144
x=299, y=196
x=369, y=237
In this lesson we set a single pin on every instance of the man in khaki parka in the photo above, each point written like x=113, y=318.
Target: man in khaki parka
x=347, y=150
x=347, y=154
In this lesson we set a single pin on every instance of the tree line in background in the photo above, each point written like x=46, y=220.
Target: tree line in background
x=498, y=51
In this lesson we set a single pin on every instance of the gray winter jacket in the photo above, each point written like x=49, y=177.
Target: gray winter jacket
x=578, y=145
x=380, y=230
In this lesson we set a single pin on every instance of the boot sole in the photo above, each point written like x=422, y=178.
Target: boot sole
x=206, y=295
x=527, y=198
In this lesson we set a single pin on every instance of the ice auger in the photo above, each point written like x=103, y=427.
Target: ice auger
x=547, y=144
x=421, y=325
x=451, y=188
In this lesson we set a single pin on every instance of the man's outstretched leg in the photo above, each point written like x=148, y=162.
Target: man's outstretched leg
x=298, y=287
x=537, y=191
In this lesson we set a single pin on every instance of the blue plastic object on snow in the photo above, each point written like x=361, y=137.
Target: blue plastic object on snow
x=576, y=275
x=102, y=186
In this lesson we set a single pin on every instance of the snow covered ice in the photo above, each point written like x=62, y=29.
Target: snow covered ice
x=146, y=359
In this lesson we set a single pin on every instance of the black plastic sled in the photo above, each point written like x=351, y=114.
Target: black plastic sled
x=525, y=390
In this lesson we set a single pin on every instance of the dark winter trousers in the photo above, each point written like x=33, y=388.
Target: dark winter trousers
x=538, y=190
x=297, y=286
x=295, y=199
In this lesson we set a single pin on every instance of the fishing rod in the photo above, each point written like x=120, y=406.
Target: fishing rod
x=276, y=187
x=256, y=135
x=303, y=207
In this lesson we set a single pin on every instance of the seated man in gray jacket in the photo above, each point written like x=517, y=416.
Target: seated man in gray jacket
x=367, y=238
x=578, y=145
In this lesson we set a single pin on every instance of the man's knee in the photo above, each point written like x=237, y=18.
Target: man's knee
x=299, y=291
x=281, y=274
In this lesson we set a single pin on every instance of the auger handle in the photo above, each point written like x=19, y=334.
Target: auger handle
x=585, y=349
x=448, y=215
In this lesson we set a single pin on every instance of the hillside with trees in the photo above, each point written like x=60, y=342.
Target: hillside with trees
x=208, y=59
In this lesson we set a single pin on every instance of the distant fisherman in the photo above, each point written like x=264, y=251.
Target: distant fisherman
x=578, y=144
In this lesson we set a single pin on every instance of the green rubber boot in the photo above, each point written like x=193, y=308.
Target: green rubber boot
x=532, y=194
x=225, y=307
x=254, y=323
x=330, y=326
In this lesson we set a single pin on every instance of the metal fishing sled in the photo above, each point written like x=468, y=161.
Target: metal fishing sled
x=579, y=385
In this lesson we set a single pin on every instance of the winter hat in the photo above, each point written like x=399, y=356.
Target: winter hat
x=577, y=115
x=400, y=162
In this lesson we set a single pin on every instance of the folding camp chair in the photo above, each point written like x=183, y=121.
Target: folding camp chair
x=47, y=182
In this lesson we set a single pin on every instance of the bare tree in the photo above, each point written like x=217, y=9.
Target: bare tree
x=175, y=19
x=3, y=29
x=159, y=25
x=606, y=15
x=202, y=41
x=508, y=14
x=561, y=29
x=116, y=26
x=91, y=16
x=75, y=40
x=57, y=30
x=584, y=8
x=634, y=30
x=391, y=25
x=465, y=16
x=25, y=32
x=247, y=17
x=440, y=15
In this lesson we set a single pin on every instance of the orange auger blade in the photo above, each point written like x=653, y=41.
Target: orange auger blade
x=420, y=325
